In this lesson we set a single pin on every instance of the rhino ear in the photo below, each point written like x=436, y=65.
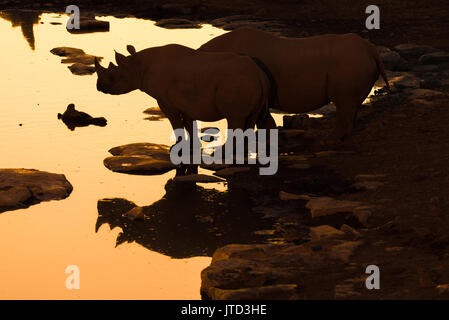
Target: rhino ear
x=131, y=49
x=119, y=58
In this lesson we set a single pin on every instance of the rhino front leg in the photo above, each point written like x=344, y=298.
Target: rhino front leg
x=176, y=122
x=194, y=141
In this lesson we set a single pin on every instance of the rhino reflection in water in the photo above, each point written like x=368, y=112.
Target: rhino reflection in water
x=192, y=85
x=188, y=221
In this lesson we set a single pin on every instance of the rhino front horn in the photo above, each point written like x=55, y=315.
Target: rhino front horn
x=98, y=66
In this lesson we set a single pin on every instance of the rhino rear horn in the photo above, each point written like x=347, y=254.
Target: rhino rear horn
x=131, y=49
x=119, y=58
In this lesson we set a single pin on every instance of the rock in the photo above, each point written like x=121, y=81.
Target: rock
x=350, y=231
x=344, y=250
x=135, y=214
x=367, y=185
x=67, y=51
x=409, y=50
x=369, y=177
x=347, y=290
x=405, y=80
x=434, y=58
x=201, y=178
x=443, y=288
x=285, y=196
x=20, y=188
x=292, y=134
x=425, y=94
x=274, y=292
x=362, y=214
x=73, y=118
x=325, y=232
x=324, y=206
x=88, y=25
x=231, y=171
x=425, y=68
x=394, y=249
x=140, y=158
x=177, y=24
x=81, y=69
x=391, y=59
x=154, y=111
x=86, y=59
x=299, y=166
x=215, y=166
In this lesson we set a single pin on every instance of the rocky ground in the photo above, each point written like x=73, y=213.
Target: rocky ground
x=379, y=198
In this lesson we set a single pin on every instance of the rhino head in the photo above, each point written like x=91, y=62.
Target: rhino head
x=121, y=78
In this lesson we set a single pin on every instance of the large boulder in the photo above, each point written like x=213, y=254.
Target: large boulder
x=20, y=188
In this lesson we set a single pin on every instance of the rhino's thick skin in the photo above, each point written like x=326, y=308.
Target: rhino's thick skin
x=311, y=72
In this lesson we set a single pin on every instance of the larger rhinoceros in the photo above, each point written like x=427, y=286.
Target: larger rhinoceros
x=191, y=85
x=311, y=72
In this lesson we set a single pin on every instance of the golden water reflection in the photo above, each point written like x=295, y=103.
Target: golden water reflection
x=38, y=243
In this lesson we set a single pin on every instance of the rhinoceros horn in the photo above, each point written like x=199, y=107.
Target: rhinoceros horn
x=131, y=49
x=98, y=66
x=119, y=58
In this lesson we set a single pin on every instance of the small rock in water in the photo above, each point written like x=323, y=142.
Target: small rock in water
x=231, y=171
x=67, y=51
x=325, y=232
x=81, y=69
x=87, y=59
x=290, y=196
x=409, y=50
x=88, y=25
x=73, y=118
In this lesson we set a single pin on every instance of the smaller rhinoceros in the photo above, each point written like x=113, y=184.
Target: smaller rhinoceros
x=191, y=85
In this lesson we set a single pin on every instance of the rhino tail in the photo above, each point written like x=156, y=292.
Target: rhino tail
x=380, y=66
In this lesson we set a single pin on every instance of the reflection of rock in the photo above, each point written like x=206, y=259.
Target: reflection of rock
x=20, y=188
x=177, y=24
x=88, y=25
x=155, y=114
x=25, y=19
x=73, y=118
x=140, y=158
x=201, y=178
x=188, y=221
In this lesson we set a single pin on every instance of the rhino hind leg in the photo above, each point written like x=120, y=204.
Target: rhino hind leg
x=193, y=137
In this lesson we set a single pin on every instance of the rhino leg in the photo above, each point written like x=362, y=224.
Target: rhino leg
x=188, y=124
x=176, y=122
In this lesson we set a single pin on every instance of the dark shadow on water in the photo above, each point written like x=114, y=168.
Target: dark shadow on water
x=26, y=19
x=188, y=221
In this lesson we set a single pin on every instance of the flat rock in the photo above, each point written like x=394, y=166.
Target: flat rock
x=274, y=292
x=285, y=196
x=20, y=188
x=405, y=80
x=325, y=232
x=324, y=206
x=154, y=111
x=367, y=185
x=81, y=69
x=86, y=59
x=425, y=94
x=177, y=24
x=434, y=58
x=140, y=158
x=67, y=51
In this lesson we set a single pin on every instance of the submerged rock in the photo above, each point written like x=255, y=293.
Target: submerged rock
x=434, y=58
x=87, y=59
x=140, y=158
x=20, y=188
